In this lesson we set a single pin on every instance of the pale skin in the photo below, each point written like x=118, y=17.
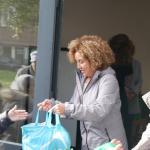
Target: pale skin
x=85, y=68
x=118, y=144
x=34, y=65
x=15, y=114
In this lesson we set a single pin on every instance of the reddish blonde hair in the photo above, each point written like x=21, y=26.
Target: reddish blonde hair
x=93, y=48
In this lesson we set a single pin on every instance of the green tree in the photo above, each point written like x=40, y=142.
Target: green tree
x=20, y=14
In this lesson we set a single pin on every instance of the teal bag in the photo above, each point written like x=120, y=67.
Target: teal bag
x=106, y=146
x=45, y=136
x=37, y=135
x=61, y=138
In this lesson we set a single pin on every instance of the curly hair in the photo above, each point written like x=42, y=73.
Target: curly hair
x=93, y=48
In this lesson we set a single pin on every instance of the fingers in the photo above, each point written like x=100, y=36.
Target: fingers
x=119, y=147
x=14, y=108
x=115, y=141
x=17, y=114
x=20, y=111
x=118, y=144
x=59, y=109
x=45, y=105
x=20, y=116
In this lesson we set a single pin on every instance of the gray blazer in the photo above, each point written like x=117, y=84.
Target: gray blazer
x=98, y=109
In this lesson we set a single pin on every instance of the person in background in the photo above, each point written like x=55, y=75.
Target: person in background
x=121, y=45
x=134, y=92
x=19, y=93
x=29, y=69
x=95, y=101
x=25, y=84
x=11, y=116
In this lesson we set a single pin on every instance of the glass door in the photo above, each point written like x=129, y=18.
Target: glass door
x=18, y=40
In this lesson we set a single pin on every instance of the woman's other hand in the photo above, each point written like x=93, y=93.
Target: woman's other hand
x=59, y=109
x=45, y=105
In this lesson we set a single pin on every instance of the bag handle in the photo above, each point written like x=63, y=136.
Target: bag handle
x=37, y=117
x=47, y=120
x=57, y=118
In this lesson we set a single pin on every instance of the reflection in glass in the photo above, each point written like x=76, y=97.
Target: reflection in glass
x=18, y=36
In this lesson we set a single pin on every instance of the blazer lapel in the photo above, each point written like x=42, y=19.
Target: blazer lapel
x=93, y=80
x=79, y=81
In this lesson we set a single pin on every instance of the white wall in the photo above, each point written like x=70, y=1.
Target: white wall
x=104, y=18
x=66, y=81
x=109, y=17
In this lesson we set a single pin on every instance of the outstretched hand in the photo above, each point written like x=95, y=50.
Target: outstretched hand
x=15, y=114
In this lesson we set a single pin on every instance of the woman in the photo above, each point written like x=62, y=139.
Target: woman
x=95, y=101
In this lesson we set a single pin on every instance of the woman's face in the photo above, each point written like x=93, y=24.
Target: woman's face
x=84, y=65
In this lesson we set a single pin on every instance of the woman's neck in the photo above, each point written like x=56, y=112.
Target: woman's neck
x=87, y=80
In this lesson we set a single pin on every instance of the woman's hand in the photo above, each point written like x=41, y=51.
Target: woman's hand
x=45, y=105
x=59, y=108
x=118, y=144
x=16, y=115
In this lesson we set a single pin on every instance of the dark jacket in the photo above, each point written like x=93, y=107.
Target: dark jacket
x=5, y=122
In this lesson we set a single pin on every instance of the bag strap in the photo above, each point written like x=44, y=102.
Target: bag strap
x=57, y=119
x=37, y=117
x=48, y=118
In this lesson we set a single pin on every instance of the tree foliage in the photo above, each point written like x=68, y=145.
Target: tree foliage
x=20, y=14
